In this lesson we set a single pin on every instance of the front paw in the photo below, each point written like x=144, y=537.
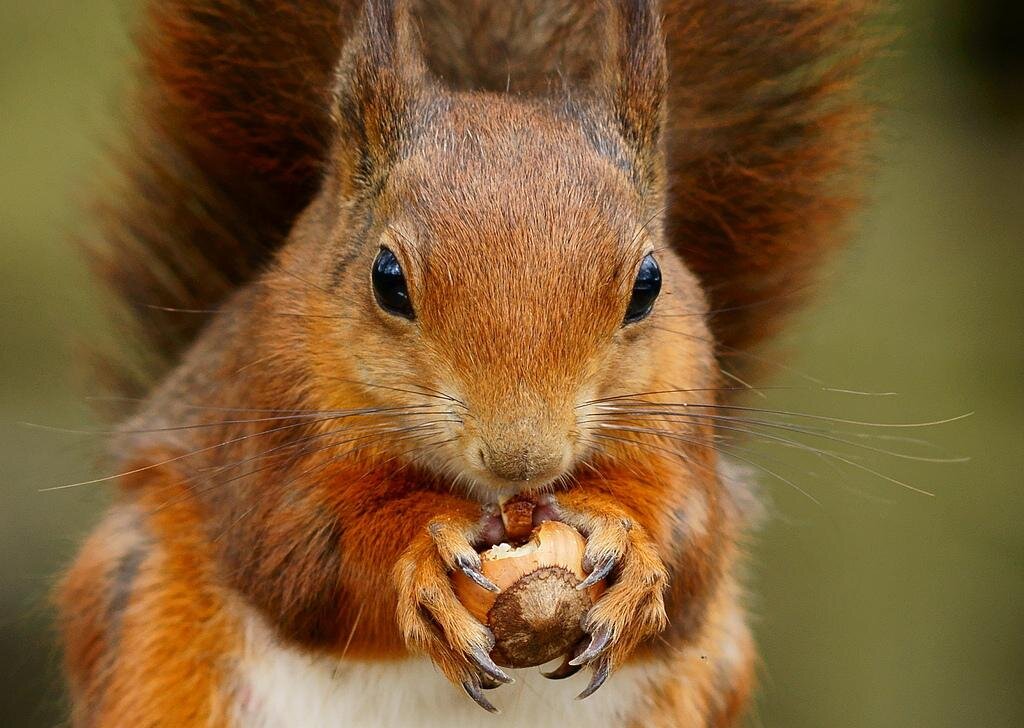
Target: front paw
x=432, y=619
x=633, y=608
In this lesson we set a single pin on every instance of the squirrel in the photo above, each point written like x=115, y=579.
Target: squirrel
x=390, y=262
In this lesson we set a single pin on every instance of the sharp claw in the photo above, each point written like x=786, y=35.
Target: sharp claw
x=473, y=691
x=598, y=643
x=566, y=669
x=472, y=570
x=604, y=669
x=485, y=663
x=599, y=572
x=489, y=683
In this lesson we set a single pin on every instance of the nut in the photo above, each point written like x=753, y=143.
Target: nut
x=536, y=616
x=517, y=517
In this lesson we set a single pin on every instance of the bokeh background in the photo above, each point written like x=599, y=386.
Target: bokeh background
x=876, y=606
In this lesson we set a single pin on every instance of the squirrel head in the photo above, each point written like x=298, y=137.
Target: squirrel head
x=497, y=260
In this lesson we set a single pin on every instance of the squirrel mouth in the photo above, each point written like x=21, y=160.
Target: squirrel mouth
x=499, y=527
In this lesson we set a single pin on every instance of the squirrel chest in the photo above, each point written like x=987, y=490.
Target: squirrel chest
x=279, y=687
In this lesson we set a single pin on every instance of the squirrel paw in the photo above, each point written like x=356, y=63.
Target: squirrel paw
x=432, y=619
x=633, y=608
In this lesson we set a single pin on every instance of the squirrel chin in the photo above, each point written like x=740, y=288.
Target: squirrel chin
x=489, y=489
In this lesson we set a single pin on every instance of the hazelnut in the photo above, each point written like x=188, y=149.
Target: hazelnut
x=517, y=517
x=536, y=616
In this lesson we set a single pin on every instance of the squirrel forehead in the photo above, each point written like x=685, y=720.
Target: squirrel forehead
x=525, y=187
x=500, y=230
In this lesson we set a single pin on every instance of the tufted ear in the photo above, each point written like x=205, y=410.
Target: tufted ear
x=381, y=77
x=634, y=82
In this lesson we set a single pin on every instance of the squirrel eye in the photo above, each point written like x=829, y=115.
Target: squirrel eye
x=646, y=288
x=389, y=286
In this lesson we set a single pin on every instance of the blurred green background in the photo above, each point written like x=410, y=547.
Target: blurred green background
x=878, y=607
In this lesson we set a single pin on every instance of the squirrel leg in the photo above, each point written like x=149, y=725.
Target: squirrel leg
x=432, y=619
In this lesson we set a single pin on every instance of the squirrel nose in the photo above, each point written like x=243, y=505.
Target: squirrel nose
x=521, y=463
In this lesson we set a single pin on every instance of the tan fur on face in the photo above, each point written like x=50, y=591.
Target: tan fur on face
x=507, y=206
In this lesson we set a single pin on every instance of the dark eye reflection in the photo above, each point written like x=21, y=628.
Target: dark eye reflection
x=389, y=286
x=646, y=288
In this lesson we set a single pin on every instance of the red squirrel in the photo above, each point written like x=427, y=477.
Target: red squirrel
x=391, y=262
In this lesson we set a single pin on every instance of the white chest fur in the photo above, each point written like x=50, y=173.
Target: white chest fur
x=283, y=688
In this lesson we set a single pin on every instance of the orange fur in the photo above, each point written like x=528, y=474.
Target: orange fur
x=326, y=464
x=168, y=636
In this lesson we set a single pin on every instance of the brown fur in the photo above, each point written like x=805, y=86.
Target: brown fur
x=324, y=462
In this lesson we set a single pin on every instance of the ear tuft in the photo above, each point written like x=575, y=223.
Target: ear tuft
x=637, y=81
x=380, y=78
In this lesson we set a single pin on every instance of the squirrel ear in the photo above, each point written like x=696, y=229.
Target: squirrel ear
x=379, y=79
x=635, y=81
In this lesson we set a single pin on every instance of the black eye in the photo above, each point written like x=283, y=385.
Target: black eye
x=645, y=290
x=389, y=285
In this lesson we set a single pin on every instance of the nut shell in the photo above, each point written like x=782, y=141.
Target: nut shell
x=536, y=616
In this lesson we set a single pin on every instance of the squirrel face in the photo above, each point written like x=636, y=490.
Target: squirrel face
x=521, y=247
x=487, y=249
x=506, y=262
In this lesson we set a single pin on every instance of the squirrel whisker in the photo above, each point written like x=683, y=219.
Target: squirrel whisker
x=798, y=445
x=367, y=433
x=811, y=431
x=731, y=453
x=309, y=451
x=804, y=415
x=209, y=448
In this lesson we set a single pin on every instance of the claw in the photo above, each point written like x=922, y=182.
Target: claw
x=604, y=668
x=489, y=683
x=473, y=691
x=598, y=643
x=566, y=669
x=599, y=572
x=486, y=664
x=471, y=568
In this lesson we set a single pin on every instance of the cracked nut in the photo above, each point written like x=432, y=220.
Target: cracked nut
x=536, y=616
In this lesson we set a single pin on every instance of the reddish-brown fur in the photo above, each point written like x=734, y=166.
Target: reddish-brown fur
x=261, y=183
